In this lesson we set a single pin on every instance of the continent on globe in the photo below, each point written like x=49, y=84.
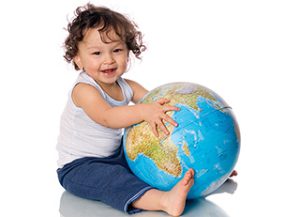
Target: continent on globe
x=206, y=139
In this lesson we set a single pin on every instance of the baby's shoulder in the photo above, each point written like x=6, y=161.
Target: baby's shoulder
x=83, y=91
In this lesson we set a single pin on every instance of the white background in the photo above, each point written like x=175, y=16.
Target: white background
x=246, y=51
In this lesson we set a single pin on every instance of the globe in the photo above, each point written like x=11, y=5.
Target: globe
x=206, y=139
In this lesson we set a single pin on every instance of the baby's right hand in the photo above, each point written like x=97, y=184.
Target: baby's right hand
x=155, y=115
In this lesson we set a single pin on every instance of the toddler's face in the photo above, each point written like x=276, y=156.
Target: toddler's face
x=105, y=61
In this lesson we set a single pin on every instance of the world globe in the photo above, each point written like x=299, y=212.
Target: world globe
x=206, y=139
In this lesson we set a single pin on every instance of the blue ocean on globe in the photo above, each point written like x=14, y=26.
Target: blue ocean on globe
x=206, y=139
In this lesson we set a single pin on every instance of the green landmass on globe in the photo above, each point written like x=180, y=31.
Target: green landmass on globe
x=160, y=150
x=179, y=93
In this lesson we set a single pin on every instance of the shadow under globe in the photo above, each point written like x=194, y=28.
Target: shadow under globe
x=73, y=206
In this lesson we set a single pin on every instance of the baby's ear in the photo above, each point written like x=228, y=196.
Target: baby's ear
x=77, y=61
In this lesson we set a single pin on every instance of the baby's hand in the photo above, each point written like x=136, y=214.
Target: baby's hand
x=155, y=115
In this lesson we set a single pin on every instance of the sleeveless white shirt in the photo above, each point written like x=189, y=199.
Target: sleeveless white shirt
x=80, y=136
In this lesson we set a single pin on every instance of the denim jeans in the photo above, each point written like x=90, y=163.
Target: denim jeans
x=108, y=180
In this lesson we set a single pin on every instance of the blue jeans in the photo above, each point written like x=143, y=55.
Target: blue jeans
x=108, y=180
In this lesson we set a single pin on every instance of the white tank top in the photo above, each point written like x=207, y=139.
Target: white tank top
x=80, y=136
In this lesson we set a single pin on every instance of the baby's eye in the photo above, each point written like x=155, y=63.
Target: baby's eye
x=96, y=53
x=118, y=50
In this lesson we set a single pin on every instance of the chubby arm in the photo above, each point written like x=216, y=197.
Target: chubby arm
x=88, y=98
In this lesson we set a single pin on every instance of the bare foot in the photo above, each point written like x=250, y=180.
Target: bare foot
x=234, y=173
x=174, y=200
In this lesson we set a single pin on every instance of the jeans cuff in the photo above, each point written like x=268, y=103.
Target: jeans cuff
x=130, y=209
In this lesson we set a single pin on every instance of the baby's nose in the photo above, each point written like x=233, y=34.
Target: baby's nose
x=109, y=59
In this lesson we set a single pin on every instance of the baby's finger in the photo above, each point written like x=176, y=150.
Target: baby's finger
x=163, y=101
x=167, y=108
x=154, y=129
x=170, y=120
x=163, y=128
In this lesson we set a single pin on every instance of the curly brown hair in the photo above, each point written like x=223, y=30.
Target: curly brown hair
x=90, y=16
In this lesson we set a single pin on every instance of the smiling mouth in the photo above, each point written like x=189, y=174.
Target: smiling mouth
x=109, y=71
